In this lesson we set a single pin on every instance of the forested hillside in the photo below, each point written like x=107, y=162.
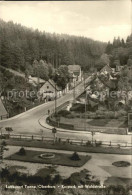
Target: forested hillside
x=20, y=46
x=120, y=51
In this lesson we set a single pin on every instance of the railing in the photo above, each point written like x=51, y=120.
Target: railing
x=108, y=130
x=81, y=142
x=4, y=117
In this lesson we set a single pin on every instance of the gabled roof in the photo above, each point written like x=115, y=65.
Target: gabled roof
x=34, y=80
x=54, y=85
x=107, y=68
x=2, y=109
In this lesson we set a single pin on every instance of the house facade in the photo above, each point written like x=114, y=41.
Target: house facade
x=50, y=90
x=3, y=111
x=118, y=68
x=75, y=73
x=106, y=69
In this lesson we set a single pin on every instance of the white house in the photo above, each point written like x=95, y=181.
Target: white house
x=35, y=80
x=75, y=72
x=50, y=90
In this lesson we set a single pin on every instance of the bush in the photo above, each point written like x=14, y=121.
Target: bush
x=78, y=108
x=98, y=144
x=3, y=143
x=70, y=116
x=75, y=156
x=63, y=113
x=121, y=113
x=88, y=143
x=110, y=115
x=61, y=125
x=22, y=151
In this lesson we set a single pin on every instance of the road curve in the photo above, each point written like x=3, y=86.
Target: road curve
x=27, y=122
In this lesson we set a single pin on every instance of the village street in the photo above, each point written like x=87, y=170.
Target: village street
x=28, y=122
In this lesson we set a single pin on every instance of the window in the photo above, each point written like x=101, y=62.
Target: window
x=47, y=87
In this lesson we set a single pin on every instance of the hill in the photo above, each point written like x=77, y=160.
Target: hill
x=20, y=46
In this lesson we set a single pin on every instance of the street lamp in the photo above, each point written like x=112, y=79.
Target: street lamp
x=57, y=74
x=74, y=87
x=54, y=131
x=92, y=133
x=55, y=98
x=85, y=108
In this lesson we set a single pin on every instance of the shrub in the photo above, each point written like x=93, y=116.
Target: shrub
x=121, y=113
x=98, y=144
x=110, y=115
x=70, y=116
x=3, y=143
x=75, y=156
x=78, y=108
x=63, y=113
x=22, y=151
x=88, y=143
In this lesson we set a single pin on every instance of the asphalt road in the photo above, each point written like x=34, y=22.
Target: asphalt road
x=27, y=123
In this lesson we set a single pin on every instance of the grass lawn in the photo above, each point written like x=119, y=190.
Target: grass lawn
x=95, y=122
x=114, y=126
x=99, y=122
x=59, y=159
x=107, y=122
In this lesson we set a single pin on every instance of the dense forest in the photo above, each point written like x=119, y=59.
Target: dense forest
x=20, y=46
x=120, y=52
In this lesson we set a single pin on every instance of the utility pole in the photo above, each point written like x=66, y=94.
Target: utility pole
x=85, y=111
x=131, y=17
x=55, y=98
x=74, y=95
x=84, y=82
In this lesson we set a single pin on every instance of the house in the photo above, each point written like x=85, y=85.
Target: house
x=50, y=90
x=75, y=73
x=106, y=69
x=119, y=68
x=3, y=112
x=35, y=81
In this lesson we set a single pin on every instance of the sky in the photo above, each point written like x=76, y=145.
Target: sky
x=99, y=20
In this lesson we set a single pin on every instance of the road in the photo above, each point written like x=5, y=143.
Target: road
x=27, y=123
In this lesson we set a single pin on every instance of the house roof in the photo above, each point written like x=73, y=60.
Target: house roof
x=92, y=103
x=74, y=68
x=107, y=68
x=2, y=109
x=54, y=85
x=35, y=80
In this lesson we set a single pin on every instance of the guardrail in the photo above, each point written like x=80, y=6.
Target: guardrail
x=81, y=142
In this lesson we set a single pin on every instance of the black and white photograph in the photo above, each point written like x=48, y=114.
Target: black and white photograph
x=66, y=97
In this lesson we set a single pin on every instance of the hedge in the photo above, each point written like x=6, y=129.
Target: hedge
x=61, y=125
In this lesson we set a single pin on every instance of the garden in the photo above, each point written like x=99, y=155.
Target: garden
x=32, y=156
x=82, y=117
